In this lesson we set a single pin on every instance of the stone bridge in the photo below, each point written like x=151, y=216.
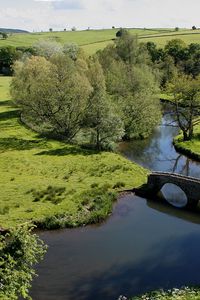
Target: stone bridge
x=189, y=185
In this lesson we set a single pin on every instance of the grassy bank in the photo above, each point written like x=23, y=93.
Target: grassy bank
x=175, y=294
x=52, y=183
x=189, y=148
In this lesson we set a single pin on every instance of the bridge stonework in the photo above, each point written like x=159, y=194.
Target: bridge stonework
x=190, y=185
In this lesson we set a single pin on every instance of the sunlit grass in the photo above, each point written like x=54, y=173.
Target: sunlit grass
x=52, y=183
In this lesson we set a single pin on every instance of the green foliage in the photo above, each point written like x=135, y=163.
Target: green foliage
x=20, y=250
x=105, y=125
x=185, y=293
x=133, y=86
x=8, y=55
x=186, y=91
x=176, y=48
x=48, y=95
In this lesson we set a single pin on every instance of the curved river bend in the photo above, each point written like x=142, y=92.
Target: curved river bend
x=144, y=245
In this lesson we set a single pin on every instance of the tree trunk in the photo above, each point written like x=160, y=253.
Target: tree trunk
x=98, y=144
x=191, y=131
x=185, y=135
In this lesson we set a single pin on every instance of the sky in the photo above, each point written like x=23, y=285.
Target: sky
x=40, y=15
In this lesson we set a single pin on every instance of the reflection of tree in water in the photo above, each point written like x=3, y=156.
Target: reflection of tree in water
x=180, y=164
x=157, y=152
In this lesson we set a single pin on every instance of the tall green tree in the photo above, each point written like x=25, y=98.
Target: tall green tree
x=8, y=55
x=105, y=125
x=186, y=91
x=52, y=95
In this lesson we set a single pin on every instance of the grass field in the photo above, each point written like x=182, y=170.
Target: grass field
x=52, y=183
x=94, y=40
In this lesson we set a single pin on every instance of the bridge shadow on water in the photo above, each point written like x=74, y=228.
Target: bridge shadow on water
x=191, y=215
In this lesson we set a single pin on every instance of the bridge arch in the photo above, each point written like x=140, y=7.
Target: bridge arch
x=189, y=185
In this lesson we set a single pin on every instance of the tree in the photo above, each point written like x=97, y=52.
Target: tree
x=132, y=84
x=72, y=50
x=8, y=55
x=186, y=91
x=47, y=48
x=168, y=70
x=4, y=35
x=176, y=28
x=20, y=250
x=105, y=125
x=49, y=97
x=51, y=29
x=155, y=53
x=138, y=102
x=177, y=49
x=194, y=27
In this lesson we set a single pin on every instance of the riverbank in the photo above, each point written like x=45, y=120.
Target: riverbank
x=189, y=148
x=175, y=294
x=53, y=184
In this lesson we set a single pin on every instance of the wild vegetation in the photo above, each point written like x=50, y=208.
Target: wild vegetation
x=179, y=294
x=20, y=250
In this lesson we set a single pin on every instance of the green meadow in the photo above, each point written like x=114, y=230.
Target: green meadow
x=53, y=184
x=93, y=40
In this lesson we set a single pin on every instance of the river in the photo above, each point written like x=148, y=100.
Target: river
x=144, y=245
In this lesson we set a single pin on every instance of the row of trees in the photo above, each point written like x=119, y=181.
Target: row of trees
x=107, y=97
x=116, y=95
x=179, y=67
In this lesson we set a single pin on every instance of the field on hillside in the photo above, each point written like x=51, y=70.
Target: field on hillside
x=84, y=37
x=52, y=183
x=93, y=40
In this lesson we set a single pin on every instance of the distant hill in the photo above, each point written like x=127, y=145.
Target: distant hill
x=9, y=30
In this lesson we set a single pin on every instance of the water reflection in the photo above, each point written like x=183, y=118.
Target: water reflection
x=174, y=195
x=158, y=154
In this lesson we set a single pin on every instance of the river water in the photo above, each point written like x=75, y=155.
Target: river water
x=144, y=245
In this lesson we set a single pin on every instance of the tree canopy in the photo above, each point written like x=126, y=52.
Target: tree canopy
x=20, y=250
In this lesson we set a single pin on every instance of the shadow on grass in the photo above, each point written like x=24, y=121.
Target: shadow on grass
x=6, y=103
x=67, y=151
x=20, y=144
x=9, y=115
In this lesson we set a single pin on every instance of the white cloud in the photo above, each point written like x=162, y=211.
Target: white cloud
x=48, y=0
x=59, y=14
